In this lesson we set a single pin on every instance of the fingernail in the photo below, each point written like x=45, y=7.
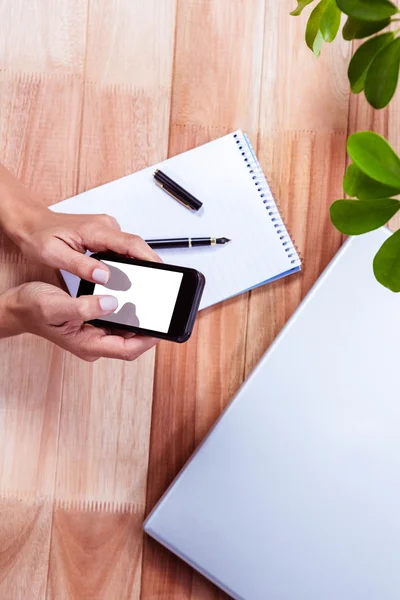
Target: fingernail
x=108, y=303
x=100, y=276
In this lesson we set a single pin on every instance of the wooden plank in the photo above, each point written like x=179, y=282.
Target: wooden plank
x=41, y=58
x=104, y=432
x=24, y=547
x=301, y=147
x=38, y=145
x=193, y=383
x=300, y=92
x=95, y=553
x=223, y=39
x=128, y=88
x=30, y=394
x=43, y=37
x=106, y=407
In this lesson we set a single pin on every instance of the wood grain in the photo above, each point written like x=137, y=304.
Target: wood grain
x=128, y=78
x=298, y=91
x=106, y=407
x=43, y=37
x=40, y=100
x=95, y=554
x=218, y=63
x=25, y=527
x=91, y=91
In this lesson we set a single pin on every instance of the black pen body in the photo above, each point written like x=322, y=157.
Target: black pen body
x=181, y=243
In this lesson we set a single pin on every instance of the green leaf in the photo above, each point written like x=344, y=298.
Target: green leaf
x=363, y=58
x=350, y=180
x=301, y=4
x=357, y=184
x=367, y=10
x=354, y=29
x=375, y=157
x=318, y=43
x=382, y=76
x=313, y=25
x=387, y=263
x=354, y=217
x=330, y=21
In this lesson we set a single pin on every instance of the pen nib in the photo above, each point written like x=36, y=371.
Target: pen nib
x=223, y=240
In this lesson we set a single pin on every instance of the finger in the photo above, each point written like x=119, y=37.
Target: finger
x=121, y=243
x=107, y=220
x=85, y=267
x=85, y=308
x=115, y=346
x=121, y=332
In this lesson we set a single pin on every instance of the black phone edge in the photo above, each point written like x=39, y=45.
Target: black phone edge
x=195, y=307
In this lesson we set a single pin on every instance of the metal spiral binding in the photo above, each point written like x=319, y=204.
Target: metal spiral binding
x=271, y=205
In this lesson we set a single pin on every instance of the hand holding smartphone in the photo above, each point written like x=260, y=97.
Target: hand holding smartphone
x=154, y=299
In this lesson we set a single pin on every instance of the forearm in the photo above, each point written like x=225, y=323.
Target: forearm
x=10, y=311
x=18, y=206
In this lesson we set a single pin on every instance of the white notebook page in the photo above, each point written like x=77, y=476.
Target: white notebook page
x=218, y=175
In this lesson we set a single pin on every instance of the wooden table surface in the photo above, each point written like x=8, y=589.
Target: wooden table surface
x=91, y=90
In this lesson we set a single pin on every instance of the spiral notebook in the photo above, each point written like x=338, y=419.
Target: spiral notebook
x=295, y=493
x=237, y=203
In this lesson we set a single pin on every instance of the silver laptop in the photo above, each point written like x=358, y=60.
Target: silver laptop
x=295, y=494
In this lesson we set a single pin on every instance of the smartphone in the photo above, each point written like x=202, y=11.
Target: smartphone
x=154, y=299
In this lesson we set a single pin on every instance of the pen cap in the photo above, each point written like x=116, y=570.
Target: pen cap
x=177, y=191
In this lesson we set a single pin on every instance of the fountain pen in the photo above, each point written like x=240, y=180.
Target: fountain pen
x=186, y=242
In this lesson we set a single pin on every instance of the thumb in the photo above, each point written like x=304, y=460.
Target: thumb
x=84, y=308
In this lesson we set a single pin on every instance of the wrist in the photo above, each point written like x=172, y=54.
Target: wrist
x=21, y=229
x=13, y=312
x=20, y=210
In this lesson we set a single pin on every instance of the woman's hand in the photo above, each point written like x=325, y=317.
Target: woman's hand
x=47, y=311
x=60, y=241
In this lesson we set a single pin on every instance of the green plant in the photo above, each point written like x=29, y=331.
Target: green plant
x=374, y=68
x=372, y=178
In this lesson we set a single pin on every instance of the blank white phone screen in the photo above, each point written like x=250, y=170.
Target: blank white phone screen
x=146, y=297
